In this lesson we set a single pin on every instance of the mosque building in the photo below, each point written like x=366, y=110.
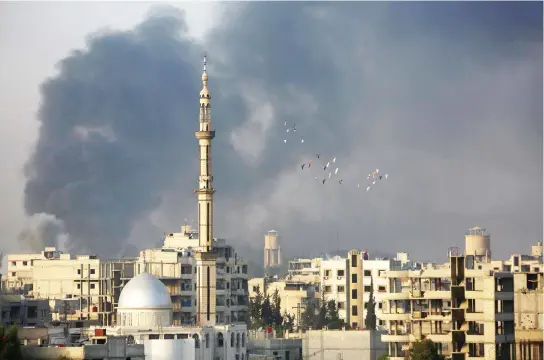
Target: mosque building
x=145, y=309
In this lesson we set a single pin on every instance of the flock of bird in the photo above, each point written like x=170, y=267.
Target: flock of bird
x=328, y=164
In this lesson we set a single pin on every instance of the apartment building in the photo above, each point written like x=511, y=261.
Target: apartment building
x=305, y=270
x=529, y=315
x=294, y=295
x=466, y=311
x=21, y=311
x=335, y=286
x=96, y=284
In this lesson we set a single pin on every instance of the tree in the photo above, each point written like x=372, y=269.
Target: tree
x=321, y=317
x=308, y=316
x=423, y=350
x=332, y=318
x=10, y=346
x=370, y=320
x=277, y=319
x=255, y=310
x=267, y=314
x=383, y=356
x=288, y=322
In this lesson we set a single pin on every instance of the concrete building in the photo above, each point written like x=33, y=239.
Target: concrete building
x=335, y=284
x=305, y=270
x=272, y=250
x=145, y=316
x=529, y=315
x=113, y=348
x=342, y=344
x=294, y=295
x=21, y=311
x=466, y=311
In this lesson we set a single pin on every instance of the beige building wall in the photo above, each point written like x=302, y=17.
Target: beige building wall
x=305, y=270
x=528, y=315
x=466, y=311
x=342, y=344
x=334, y=284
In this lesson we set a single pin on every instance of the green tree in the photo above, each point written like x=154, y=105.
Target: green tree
x=333, y=320
x=288, y=322
x=308, y=316
x=423, y=350
x=267, y=313
x=383, y=356
x=10, y=346
x=277, y=319
x=255, y=310
x=370, y=320
x=321, y=317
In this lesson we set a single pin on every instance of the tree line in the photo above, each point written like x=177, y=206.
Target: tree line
x=265, y=311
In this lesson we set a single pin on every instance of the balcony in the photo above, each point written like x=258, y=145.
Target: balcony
x=508, y=316
x=474, y=316
x=437, y=294
x=398, y=338
x=404, y=295
x=475, y=339
x=405, y=316
x=439, y=338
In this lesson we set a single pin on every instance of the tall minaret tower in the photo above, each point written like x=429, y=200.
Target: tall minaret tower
x=205, y=256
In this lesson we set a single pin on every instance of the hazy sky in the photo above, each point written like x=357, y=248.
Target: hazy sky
x=445, y=97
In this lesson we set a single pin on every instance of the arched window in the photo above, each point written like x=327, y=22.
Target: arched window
x=207, y=340
x=219, y=339
x=238, y=340
x=243, y=339
x=232, y=340
x=197, y=341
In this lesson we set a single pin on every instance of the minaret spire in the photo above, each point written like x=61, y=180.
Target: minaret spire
x=205, y=257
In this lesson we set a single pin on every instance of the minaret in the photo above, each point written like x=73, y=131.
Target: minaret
x=205, y=256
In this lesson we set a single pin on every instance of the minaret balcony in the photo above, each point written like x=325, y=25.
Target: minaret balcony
x=205, y=135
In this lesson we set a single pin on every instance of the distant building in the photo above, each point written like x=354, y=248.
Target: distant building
x=21, y=311
x=272, y=250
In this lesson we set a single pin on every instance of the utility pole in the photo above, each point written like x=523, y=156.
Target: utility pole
x=299, y=314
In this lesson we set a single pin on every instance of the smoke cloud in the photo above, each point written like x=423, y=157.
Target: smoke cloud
x=44, y=230
x=446, y=97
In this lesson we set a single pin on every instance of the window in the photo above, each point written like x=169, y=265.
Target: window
x=366, y=305
x=354, y=293
x=516, y=260
x=79, y=271
x=525, y=268
x=327, y=289
x=327, y=273
x=43, y=313
x=368, y=273
x=381, y=288
x=354, y=325
x=78, y=286
x=354, y=278
x=207, y=340
x=341, y=305
x=354, y=310
x=220, y=340
x=354, y=260
x=340, y=273
x=13, y=274
x=92, y=271
x=341, y=289
x=367, y=288
x=92, y=286
x=24, y=263
x=232, y=340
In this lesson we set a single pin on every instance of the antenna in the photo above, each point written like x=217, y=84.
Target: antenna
x=205, y=56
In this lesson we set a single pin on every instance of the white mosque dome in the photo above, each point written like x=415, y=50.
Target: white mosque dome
x=144, y=291
x=144, y=303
